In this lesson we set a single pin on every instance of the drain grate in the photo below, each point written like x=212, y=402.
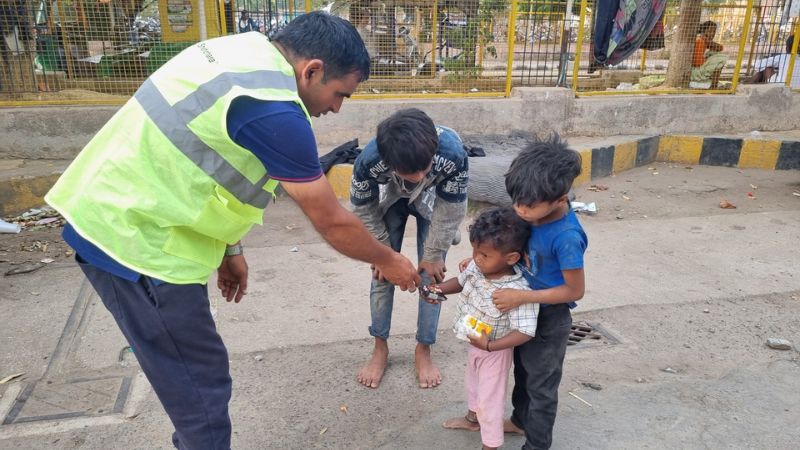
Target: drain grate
x=585, y=334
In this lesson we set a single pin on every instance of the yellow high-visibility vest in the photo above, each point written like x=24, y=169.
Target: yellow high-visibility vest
x=162, y=188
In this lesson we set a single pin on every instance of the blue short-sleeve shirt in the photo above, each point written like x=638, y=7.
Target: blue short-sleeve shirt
x=277, y=133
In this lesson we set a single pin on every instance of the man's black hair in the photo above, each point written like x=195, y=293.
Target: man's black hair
x=407, y=141
x=502, y=228
x=707, y=25
x=543, y=171
x=789, y=43
x=335, y=41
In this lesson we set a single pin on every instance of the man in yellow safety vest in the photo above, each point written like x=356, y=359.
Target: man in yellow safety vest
x=163, y=193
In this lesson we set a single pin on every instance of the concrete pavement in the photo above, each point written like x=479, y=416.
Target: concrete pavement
x=675, y=281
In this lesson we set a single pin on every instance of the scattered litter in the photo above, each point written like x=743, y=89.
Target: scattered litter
x=34, y=293
x=779, y=344
x=585, y=208
x=584, y=401
x=591, y=385
x=688, y=167
x=655, y=173
x=597, y=188
x=291, y=227
x=11, y=377
x=374, y=91
x=625, y=197
x=27, y=268
x=474, y=90
x=324, y=429
x=46, y=220
x=796, y=194
x=751, y=196
x=669, y=370
x=47, y=260
x=294, y=249
x=343, y=409
x=68, y=253
x=724, y=204
x=706, y=311
x=259, y=357
x=6, y=227
x=641, y=380
x=619, y=217
x=651, y=168
x=38, y=219
x=753, y=186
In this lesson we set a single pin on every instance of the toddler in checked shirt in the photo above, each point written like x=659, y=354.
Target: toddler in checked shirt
x=498, y=238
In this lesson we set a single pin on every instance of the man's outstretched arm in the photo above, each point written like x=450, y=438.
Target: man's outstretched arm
x=342, y=229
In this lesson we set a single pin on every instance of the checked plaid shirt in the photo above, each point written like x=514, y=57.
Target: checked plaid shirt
x=476, y=300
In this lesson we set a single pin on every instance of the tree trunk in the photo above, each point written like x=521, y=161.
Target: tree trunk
x=680, y=58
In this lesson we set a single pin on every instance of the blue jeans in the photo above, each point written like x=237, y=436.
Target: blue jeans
x=381, y=293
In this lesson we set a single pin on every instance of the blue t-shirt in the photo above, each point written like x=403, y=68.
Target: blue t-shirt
x=278, y=133
x=554, y=247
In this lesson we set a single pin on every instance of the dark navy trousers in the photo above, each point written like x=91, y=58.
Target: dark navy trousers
x=538, y=365
x=174, y=338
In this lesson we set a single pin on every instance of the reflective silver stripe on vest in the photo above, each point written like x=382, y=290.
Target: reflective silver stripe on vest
x=173, y=122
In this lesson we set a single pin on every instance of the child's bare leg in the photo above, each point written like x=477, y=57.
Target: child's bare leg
x=489, y=448
x=509, y=427
x=372, y=373
x=468, y=422
x=428, y=374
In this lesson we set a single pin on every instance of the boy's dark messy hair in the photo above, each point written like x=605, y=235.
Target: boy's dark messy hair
x=542, y=172
x=502, y=228
x=407, y=140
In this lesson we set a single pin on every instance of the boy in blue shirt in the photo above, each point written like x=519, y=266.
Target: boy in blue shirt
x=538, y=182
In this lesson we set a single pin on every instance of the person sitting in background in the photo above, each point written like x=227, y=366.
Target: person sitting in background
x=774, y=69
x=246, y=23
x=708, y=59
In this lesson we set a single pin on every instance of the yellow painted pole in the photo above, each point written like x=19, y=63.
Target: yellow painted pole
x=759, y=18
x=742, y=42
x=644, y=60
x=308, y=6
x=794, y=52
x=434, y=37
x=511, y=37
x=223, y=24
x=579, y=46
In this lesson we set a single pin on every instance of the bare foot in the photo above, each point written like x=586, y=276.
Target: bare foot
x=371, y=374
x=468, y=422
x=509, y=427
x=427, y=373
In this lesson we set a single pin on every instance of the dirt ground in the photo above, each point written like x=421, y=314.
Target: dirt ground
x=687, y=292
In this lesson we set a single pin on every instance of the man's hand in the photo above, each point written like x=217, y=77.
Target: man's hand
x=376, y=273
x=481, y=341
x=232, y=278
x=462, y=266
x=507, y=299
x=435, y=269
x=400, y=272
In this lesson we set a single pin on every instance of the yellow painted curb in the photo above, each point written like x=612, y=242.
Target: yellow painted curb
x=625, y=156
x=339, y=177
x=759, y=154
x=20, y=194
x=680, y=149
x=586, y=168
